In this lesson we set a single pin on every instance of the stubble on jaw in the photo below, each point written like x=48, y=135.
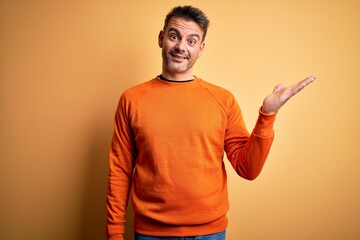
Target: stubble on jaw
x=176, y=67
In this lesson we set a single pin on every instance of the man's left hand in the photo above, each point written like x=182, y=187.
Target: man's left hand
x=280, y=95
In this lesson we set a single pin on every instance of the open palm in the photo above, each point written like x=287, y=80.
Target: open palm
x=280, y=95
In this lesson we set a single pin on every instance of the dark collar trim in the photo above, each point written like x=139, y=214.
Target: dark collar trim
x=168, y=80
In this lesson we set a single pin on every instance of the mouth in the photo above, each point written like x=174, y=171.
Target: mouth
x=179, y=57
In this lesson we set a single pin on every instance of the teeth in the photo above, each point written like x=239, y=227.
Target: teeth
x=178, y=56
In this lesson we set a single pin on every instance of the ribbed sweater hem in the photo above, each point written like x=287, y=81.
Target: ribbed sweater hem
x=143, y=226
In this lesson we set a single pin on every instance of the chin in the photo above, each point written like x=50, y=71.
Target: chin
x=177, y=68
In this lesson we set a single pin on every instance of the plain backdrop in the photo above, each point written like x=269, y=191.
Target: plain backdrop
x=64, y=65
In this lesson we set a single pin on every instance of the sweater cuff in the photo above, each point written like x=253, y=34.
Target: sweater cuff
x=264, y=125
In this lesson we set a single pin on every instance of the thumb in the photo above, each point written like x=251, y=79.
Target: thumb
x=277, y=87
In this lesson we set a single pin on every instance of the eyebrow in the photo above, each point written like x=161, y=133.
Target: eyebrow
x=178, y=33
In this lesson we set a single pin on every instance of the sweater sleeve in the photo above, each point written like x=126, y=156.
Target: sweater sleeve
x=121, y=164
x=248, y=152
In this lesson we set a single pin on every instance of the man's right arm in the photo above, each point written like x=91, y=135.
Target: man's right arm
x=121, y=165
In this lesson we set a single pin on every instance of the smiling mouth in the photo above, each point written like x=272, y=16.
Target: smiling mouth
x=178, y=56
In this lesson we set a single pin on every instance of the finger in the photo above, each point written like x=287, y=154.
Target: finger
x=302, y=84
x=308, y=80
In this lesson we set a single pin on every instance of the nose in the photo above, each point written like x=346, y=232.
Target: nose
x=181, y=45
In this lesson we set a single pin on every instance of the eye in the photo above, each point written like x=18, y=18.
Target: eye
x=192, y=42
x=173, y=37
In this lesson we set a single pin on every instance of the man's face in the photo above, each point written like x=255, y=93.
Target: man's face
x=181, y=44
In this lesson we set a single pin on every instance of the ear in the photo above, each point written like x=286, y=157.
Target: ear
x=201, y=49
x=161, y=38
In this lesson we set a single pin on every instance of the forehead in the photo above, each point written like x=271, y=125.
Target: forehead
x=184, y=26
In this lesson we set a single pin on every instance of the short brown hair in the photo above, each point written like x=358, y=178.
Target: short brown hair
x=189, y=13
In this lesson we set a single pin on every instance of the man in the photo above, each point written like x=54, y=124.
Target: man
x=170, y=137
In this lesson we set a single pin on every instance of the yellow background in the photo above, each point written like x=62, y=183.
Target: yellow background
x=64, y=64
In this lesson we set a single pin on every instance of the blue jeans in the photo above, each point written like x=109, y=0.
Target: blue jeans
x=216, y=236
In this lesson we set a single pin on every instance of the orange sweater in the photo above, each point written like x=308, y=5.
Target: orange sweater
x=167, y=150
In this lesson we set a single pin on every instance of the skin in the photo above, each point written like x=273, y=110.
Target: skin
x=280, y=95
x=182, y=44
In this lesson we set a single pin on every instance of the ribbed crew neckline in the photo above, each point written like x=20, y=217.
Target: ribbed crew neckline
x=168, y=80
x=177, y=84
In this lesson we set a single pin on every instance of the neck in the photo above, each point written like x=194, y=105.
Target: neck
x=178, y=76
